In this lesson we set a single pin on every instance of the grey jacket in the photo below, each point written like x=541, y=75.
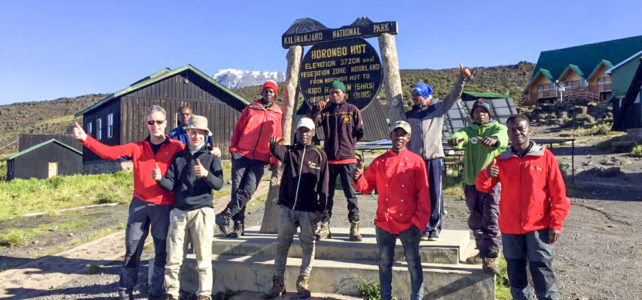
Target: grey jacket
x=427, y=122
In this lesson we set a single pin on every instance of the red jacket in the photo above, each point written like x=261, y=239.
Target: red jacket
x=533, y=191
x=255, y=126
x=144, y=159
x=402, y=182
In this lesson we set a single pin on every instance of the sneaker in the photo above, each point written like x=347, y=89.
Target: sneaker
x=203, y=297
x=302, y=287
x=354, y=231
x=490, y=265
x=223, y=222
x=323, y=232
x=474, y=260
x=424, y=236
x=433, y=236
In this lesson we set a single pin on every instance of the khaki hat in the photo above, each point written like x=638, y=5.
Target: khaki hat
x=400, y=124
x=198, y=122
x=305, y=122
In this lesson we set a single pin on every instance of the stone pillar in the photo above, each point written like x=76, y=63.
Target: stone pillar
x=391, y=77
x=271, y=212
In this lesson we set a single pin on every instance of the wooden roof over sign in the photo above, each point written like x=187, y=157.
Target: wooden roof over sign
x=308, y=31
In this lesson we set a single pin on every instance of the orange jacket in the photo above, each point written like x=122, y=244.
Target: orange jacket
x=255, y=126
x=144, y=160
x=533, y=191
x=402, y=183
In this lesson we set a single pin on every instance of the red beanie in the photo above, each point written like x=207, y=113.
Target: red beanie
x=271, y=84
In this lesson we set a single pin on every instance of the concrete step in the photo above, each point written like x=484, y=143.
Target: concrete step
x=246, y=273
x=449, y=249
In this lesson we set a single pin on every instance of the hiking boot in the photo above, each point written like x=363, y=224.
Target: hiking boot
x=277, y=289
x=474, y=260
x=490, y=265
x=433, y=236
x=323, y=232
x=302, y=287
x=237, y=231
x=169, y=297
x=203, y=297
x=354, y=231
x=223, y=223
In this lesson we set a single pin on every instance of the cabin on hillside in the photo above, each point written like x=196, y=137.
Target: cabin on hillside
x=119, y=118
x=580, y=70
x=44, y=160
x=627, y=82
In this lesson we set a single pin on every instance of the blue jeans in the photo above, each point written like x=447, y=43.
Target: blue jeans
x=531, y=248
x=435, y=172
x=386, y=244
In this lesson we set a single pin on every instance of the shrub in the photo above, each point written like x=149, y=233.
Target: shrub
x=637, y=151
x=368, y=289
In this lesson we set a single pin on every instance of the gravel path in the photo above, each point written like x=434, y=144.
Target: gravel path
x=597, y=257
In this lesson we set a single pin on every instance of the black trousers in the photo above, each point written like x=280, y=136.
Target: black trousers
x=345, y=172
x=246, y=175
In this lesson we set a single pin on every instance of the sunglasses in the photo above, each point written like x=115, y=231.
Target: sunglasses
x=158, y=122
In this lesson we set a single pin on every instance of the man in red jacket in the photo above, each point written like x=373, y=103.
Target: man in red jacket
x=151, y=203
x=250, y=149
x=532, y=208
x=403, y=208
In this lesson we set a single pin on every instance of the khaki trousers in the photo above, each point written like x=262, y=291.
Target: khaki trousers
x=197, y=226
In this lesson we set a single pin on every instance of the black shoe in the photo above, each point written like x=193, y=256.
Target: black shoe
x=237, y=231
x=223, y=223
x=433, y=236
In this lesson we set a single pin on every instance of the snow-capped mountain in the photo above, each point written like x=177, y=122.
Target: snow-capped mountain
x=234, y=78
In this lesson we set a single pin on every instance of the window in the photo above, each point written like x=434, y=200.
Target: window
x=90, y=128
x=110, y=125
x=99, y=129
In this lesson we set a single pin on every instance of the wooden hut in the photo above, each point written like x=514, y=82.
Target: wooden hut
x=120, y=117
x=44, y=160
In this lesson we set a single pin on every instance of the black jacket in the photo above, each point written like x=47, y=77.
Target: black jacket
x=191, y=192
x=342, y=127
x=304, y=185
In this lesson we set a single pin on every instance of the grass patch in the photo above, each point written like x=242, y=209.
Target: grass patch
x=57, y=121
x=20, y=237
x=21, y=196
x=90, y=237
x=3, y=171
x=368, y=289
x=220, y=193
x=637, y=151
x=502, y=289
x=95, y=269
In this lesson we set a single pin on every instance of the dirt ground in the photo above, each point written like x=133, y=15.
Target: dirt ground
x=599, y=255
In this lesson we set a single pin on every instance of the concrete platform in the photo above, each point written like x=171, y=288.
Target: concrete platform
x=245, y=273
x=449, y=249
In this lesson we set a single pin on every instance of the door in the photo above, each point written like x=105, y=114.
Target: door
x=53, y=169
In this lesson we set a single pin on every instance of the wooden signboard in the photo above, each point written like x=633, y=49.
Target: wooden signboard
x=353, y=61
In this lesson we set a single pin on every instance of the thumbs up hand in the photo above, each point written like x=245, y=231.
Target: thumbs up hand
x=199, y=170
x=79, y=133
x=156, y=173
x=493, y=169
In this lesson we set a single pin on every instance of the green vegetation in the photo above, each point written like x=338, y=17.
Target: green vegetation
x=20, y=237
x=59, y=121
x=368, y=289
x=95, y=269
x=90, y=237
x=637, y=151
x=452, y=181
x=502, y=289
x=21, y=196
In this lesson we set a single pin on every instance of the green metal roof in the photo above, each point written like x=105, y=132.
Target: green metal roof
x=156, y=77
x=587, y=57
x=36, y=146
x=544, y=73
x=486, y=95
x=575, y=69
x=604, y=62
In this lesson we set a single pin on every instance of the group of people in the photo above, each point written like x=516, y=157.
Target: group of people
x=515, y=192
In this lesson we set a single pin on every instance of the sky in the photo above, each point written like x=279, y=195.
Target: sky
x=52, y=49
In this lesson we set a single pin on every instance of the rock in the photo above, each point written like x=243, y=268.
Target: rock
x=607, y=172
x=606, y=162
x=625, y=162
x=53, y=228
x=71, y=234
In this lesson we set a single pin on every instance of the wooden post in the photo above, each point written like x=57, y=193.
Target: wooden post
x=271, y=212
x=391, y=77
